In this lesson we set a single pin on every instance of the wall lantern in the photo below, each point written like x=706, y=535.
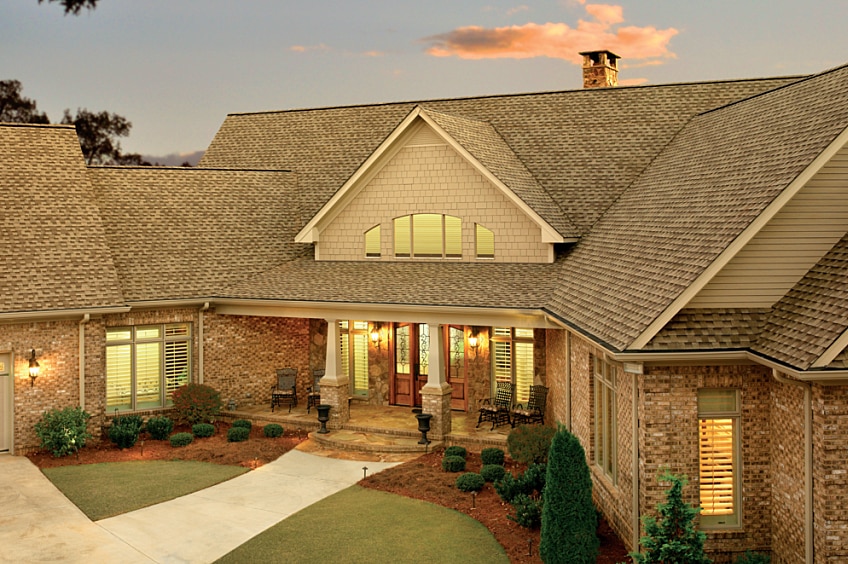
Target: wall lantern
x=376, y=338
x=34, y=369
x=474, y=339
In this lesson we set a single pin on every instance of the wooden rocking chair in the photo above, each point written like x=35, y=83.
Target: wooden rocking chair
x=497, y=409
x=534, y=412
x=285, y=390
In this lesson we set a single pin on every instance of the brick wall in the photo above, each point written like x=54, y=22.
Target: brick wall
x=830, y=473
x=432, y=179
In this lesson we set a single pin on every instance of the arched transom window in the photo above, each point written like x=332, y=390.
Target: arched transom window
x=428, y=235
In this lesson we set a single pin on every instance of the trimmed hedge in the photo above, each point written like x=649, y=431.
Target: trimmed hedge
x=470, y=482
x=238, y=434
x=243, y=423
x=456, y=450
x=181, y=439
x=125, y=429
x=160, y=427
x=272, y=430
x=492, y=456
x=528, y=483
x=203, y=430
x=492, y=472
x=63, y=431
x=453, y=463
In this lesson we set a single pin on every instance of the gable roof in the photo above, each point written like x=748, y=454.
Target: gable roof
x=188, y=232
x=55, y=250
x=583, y=147
x=714, y=180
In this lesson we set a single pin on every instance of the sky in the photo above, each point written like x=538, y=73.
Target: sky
x=176, y=68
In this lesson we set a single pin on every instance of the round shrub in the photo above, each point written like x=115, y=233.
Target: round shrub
x=272, y=430
x=63, y=431
x=125, y=429
x=181, y=439
x=453, y=464
x=492, y=472
x=470, y=482
x=530, y=443
x=492, y=456
x=528, y=512
x=456, y=450
x=196, y=403
x=202, y=430
x=238, y=434
x=159, y=427
x=243, y=423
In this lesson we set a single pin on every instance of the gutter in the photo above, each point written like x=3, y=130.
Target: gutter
x=808, y=462
x=85, y=319
x=60, y=313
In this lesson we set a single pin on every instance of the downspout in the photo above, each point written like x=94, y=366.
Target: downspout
x=85, y=319
x=808, y=462
x=636, y=524
x=203, y=308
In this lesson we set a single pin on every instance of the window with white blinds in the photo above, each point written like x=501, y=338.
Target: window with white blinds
x=485, y=242
x=372, y=242
x=605, y=416
x=353, y=337
x=718, y=436
x=145, y=364
x=428, y=235
x=512, y=359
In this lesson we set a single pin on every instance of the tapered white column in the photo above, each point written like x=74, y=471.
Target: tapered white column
x=436, y=394
x=335, y=386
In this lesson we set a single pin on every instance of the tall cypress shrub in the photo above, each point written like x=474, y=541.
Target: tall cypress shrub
x=569, y=521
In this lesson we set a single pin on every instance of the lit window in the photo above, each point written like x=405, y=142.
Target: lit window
x=604, y=381
x=718, y=424
x=145, y=364
x=512, y=359
x=485, y=242
x=354, y=354
x=428, y=235
x=372, y=242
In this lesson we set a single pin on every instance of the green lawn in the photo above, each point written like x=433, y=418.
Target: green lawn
x=362, y=525
x=105, y=490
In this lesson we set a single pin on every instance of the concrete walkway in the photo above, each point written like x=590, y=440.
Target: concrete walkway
x=199, y=527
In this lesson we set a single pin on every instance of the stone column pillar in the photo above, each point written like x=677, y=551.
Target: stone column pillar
x=335, y=385
x=436, y=394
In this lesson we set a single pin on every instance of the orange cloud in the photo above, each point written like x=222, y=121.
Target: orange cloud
x=556, y=40
x=305, y=48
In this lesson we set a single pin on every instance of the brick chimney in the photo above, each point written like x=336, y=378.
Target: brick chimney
x=600, y=69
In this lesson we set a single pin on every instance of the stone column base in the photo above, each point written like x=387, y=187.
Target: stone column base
x=336, y=393
x=437, y=402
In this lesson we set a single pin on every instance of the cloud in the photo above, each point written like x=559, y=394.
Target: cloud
x=602, y=30
x=306, y=48
x=517, y=9
x=374, y=53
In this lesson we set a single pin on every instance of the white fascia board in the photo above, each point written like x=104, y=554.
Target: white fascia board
x=739, y=243
x=16, y=316
x=549, y=234
x=310, y=232
x=444, y=315
x=832, y=351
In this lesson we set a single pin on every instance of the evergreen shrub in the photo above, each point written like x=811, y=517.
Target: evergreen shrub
x=528, y=511
x=456, y=450
x=470, y=482
x=531, y=481
x=181, y=439
x=243, y=423
x=196, y=403
x=453, y=463
x=63, y=431
x=492, y=472
x=159, y=427
x=125, y=429
x=529, y=444
x=492, y=456
x=272, y=430
x=569, y=520
x=202, y=430
x=754, y=558
x=238, y=434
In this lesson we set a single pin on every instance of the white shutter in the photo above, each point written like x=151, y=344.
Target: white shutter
x=176, y=366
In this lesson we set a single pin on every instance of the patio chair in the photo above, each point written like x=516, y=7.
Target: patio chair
x=313, y=392
x=285, y=390
x=534, y=411
x=497, y=409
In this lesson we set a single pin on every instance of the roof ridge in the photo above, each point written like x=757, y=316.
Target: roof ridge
x=187, y=168
x=37, y=125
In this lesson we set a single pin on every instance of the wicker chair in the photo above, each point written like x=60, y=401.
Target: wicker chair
x=285, y=390
x=497, y=409
x=313, y=392
x=534, y=411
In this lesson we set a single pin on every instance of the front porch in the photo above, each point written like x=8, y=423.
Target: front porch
x=378, y=429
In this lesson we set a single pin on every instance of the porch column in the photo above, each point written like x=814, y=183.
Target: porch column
x=436, y=394
x=335, y=385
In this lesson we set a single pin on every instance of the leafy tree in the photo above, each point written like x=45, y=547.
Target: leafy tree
x=15, y=108
x=674, y=539
x=74, y=6
x=569, y=520
x=98, y=134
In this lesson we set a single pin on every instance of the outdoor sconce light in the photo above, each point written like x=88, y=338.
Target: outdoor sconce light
x=34, y=369
x=375, y=335
x=474, y=339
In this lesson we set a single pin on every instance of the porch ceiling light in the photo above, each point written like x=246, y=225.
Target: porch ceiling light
x=34, y=369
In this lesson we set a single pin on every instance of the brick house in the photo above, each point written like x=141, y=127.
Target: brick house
x=669, y=260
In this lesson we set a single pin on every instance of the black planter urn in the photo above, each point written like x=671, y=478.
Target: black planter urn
x=323, y=417
x=424, y=427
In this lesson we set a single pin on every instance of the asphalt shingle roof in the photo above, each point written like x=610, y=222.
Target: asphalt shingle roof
x=54, y=248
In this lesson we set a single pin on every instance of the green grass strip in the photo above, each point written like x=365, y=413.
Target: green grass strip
x=362, y=525
x=106, y=490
